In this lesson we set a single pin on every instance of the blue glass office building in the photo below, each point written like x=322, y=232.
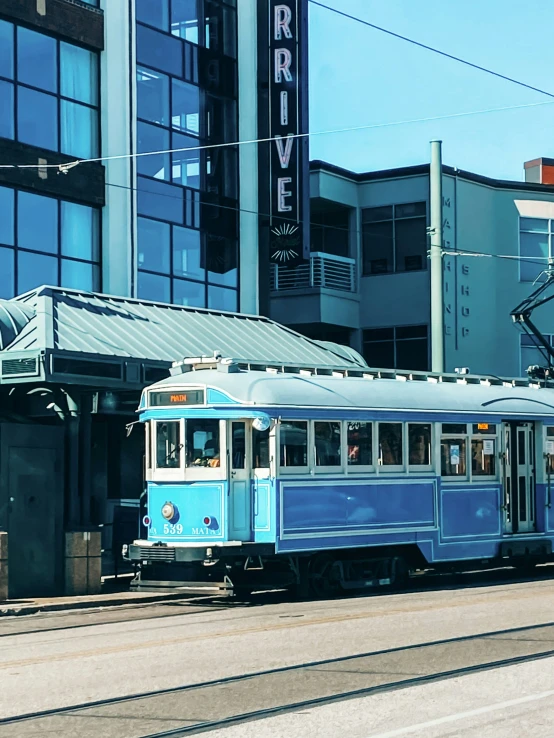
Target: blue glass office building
x=114, y=81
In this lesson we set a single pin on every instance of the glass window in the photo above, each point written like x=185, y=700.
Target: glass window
x=153, y=287
x=534, y=249
x=222, y=260
x=411, y=244
x=453, y=457
x=549, y=450
x=37, y=119
x=6, y=110
x=238, y=445
x=203, y=446
x=168, y=445
x=419, y=444
x=220, y=298
x=153, y=138
x=483, y=457
x=79, y=275
x=153, y=12
x=185, y=107
x=456, y=428
x=359, y=437
x=153, y=245
x=260, y=449
x=80, y=231
x=160, y=51
x=484, y=429
x=37, y=223
x=7, y=209
x=186, y=164
x=79, y=128
x=220, y=28
x=78, y=74
x=378, y=248
x=184, y=19
x=190, y=294
x=37, y=60
x=390, y=444
x=160, y=200
x=6, y=49
x=6, y=273
x=187, y=255
x=35, y=270
x=153, y=96
x=327, y=439
x=293, y=445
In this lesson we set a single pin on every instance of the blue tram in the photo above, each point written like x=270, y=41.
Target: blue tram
x=325, y=480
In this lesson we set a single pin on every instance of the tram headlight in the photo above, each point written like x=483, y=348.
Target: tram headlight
x=168, y=511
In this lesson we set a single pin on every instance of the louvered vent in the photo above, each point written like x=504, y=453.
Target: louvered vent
x=19, y=367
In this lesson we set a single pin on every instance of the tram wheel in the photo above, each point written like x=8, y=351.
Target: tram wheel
x=320, y=573
x=399, y=572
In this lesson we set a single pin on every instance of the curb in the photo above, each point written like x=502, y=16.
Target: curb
x=6, y=611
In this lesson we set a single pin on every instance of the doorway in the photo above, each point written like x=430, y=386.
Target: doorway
x=519, y=477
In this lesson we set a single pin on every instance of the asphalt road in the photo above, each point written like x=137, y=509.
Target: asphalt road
x=66, y=660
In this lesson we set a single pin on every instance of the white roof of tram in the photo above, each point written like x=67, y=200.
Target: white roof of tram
x=265, y=389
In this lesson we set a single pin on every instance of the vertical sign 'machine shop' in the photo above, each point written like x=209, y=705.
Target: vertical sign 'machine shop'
x=283, y=118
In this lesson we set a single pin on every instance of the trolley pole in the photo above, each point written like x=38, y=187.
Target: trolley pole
x=437, y=314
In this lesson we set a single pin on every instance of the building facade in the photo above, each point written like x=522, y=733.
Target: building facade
x=367, y=283
x=96, y=79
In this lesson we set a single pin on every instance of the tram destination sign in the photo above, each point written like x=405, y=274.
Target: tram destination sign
x=168, y=399
x=287, y=117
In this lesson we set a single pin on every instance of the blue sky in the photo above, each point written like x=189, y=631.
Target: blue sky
x=360, y=76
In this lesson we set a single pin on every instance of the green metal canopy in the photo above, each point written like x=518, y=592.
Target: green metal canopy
x=61, y=335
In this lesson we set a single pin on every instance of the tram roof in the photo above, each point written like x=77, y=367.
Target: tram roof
x=265, y=389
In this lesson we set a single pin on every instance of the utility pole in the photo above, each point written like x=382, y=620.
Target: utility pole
x=437, y=314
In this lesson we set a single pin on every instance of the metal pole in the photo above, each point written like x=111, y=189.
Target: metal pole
x=437, y=314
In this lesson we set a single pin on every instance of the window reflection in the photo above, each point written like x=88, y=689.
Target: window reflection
x=187, y=253
x=359, y=443
x=390, y=444
x=203, y=446
x=6, y=110
x=153, y=96
x=6, y=49
x=168, y=445
x=34, y=270
x=327, y=438
x=191, y=294
x=293, y=446
x=419, y=444
x=184, y=19
x=6, y=273
x=153, y=245
x=152, y=138
x=37, y=63
x=37, y=119
x=260, y=449
x=185, y=107
x=37, y=223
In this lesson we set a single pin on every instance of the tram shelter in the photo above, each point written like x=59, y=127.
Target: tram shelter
x=72, y=366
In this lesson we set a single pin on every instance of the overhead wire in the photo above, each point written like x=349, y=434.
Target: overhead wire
x=66, y=166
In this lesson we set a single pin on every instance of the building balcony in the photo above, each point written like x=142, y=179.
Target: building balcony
x=322, y=270
x=323, y=290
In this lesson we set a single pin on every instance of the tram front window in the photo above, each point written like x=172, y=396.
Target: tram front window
x=203, y=444
x=168, y=445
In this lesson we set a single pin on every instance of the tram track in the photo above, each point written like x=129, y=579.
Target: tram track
x=19, y=625
x=198, y=707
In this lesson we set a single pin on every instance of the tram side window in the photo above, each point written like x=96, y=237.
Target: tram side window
x=483, y=450
x=390, y=444
x=168, y=445
x=549, y=450
x=419, y=444
x=203, y=445
x=294, y=443
x=260, y=449
x=238, y=444
x=453, y=457
x=359, y=438
x=327, y=440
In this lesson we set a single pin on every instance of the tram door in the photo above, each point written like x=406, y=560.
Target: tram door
x=239, y=497
x=519, y=477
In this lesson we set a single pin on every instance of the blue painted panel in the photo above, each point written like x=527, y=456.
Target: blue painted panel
x=193, y=502
x=334, y=506
x=217, y=397
x=469, y=511
x=240, y=513
x=261, y=490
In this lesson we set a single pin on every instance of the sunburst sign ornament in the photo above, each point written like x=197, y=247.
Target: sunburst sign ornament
x=285, y=246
